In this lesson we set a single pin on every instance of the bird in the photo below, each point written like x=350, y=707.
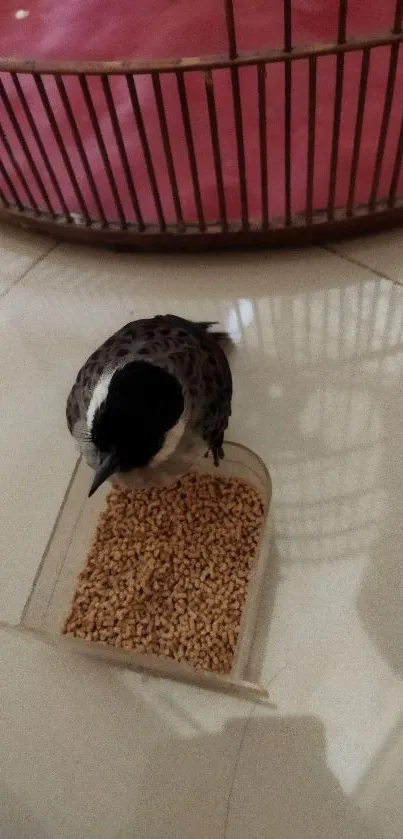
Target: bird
x=151, y=400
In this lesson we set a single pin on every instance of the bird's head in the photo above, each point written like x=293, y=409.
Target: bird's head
x=135, y=419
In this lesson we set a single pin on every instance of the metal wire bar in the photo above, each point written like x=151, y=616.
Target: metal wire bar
x=3, y=199
x=159, y=99
x=396, y=169
x=261, y=84
x=338, y=99
x=11, y=186
x=311, y=138
x=60, y=143
x=342, y=22
x=17, y=168
x=23, y=143
x=102, y=149
x=390, y=89
x=362, y=94
x=287, y=141
x=138, y=116
x=215, y=141
x=397, y=24
x=122, y=152
x=40, y=144
x=231, y=33
x=240, y=145
x=80, y=147
x=190, y=148
x=287, y=8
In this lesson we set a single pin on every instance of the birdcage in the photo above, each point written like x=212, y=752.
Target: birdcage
x=291, y=133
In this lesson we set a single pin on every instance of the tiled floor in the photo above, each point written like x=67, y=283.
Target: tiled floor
x=93, y=753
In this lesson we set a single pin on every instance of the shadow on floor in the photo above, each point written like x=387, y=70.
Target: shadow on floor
x=282, y=789
x=380, y=599
x=16, y=821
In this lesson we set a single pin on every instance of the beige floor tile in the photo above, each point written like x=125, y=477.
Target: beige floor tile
x=382, y=253
x=284, y=786
x=93, y=753
x=19, y=251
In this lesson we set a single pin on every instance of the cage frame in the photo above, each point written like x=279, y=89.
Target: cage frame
x=312, y=226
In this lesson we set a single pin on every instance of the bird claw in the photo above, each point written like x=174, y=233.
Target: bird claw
x=218, y=454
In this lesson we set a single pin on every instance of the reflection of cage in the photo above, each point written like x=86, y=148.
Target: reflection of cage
x=335, y=351
x=94, y=151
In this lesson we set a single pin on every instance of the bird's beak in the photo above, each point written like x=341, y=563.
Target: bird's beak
x=106, y=468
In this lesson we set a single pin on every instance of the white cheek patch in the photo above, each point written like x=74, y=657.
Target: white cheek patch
x=98, y=397
x=171, y=442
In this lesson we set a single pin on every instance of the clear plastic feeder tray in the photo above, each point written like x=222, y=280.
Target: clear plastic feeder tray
x=65, y=556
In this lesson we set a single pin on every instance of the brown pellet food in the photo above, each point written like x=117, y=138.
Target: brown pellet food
x=168, y=570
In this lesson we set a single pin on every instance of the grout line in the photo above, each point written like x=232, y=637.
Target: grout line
x=30, y=268
x=235, y=769
x=357, y=262
x=240, y=747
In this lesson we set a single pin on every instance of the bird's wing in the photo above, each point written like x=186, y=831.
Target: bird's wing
x=209, y=376
x=218, y=385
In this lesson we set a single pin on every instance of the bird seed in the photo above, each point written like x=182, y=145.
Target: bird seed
x=168, y=570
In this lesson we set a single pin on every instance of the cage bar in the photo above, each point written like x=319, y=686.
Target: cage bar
x=3, y=199
x=159, y=100
x=231, y=33
x=60, y=143
x=40, y=145
x=287, y=7
x=261, y=82
x=190, y=148
x=287, y=142
x=311, y=138
x=338, y=101
x=215, y=141
x=334, y=159
x=397, y=166
x=362, y=94
x=240, y=145
x=17, y=168
x=397, y=24
x=11, y=187
x=122, y=151
x=390, y=89
x=102, y=149
x=80, y=148
x=138, y=116
x=21, y=139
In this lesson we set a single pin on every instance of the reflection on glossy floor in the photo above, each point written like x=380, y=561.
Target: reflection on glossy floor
x=93, y=753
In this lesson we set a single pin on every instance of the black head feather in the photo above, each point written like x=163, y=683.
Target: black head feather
x=142, y=404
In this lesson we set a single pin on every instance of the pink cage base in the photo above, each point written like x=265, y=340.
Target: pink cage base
x=162, y=28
